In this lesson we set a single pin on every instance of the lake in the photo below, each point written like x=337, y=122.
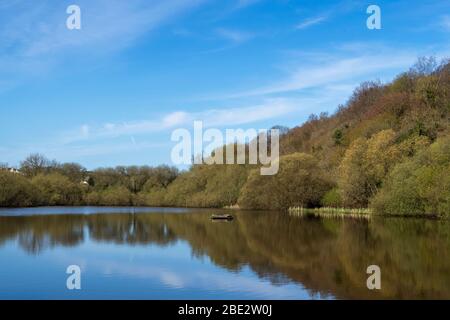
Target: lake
x=155, y=253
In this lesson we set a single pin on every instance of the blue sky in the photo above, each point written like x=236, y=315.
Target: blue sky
x=113, y=92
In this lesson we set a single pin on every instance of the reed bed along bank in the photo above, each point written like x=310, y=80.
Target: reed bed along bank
x=331, y=212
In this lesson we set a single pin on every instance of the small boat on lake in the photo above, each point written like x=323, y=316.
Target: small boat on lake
x=227, y=217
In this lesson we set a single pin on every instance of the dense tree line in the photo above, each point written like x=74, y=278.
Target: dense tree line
x=387, y=148
x=42, y=182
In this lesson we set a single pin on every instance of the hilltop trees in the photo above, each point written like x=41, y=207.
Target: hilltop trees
x=134, y=178
x=160, y=177
x=35, y=164
x=75, y=172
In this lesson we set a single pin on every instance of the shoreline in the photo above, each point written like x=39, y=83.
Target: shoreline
x=322, y=212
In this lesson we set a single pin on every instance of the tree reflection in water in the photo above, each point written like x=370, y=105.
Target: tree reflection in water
x=327, y=256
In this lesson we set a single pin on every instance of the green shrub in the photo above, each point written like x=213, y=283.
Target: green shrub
x=420, y=185
x=55, y=189
x=15, y=190
x=93, y=198
x=116, y=196
x=299, y=183
x=332, y=199
x=364, y=167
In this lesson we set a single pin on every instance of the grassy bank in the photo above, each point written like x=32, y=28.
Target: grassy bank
x=331, y=212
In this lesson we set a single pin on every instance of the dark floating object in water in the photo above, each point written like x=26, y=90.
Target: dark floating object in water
x=227, y=217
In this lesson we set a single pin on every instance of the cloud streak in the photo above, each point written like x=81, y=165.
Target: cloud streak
x=310, y=22
x=111, y=23
x=227, y=117
x=333, y=70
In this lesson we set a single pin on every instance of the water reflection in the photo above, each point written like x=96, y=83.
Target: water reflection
x=328, y=257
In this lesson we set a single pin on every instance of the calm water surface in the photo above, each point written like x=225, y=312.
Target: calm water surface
x=152, y=253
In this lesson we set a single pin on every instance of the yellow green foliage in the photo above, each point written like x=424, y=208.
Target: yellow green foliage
x=15, y=190
x=299, y=182
x=420, y=185
x=332, y=199
x=111, y=196
x=364, y=166
x=55, y=189
x=207, y=186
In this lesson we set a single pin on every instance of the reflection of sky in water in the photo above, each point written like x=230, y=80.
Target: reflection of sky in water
x=121, y=271
x=86, y=210
x=181, y=254
x=36, y=264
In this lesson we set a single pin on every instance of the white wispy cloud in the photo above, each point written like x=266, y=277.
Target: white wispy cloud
x=225, y=117
x=203, y=278
x=333, y=70
x=310, y=22
x=106, y=24
x=34, y=36
x=340, y=70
